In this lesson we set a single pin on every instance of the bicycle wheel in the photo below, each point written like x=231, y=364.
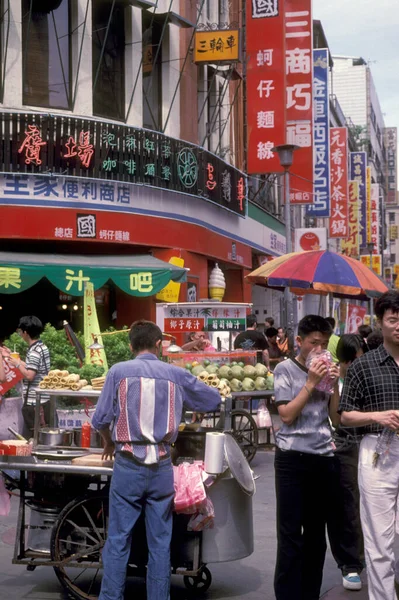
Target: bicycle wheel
x=245, y=432
x=77, y=540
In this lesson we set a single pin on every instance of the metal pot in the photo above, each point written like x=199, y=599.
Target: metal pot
x=95, y=438
x=51, y=436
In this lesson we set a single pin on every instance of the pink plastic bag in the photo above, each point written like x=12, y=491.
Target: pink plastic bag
x=327, y=383
x=189, y=488
x=5, y=502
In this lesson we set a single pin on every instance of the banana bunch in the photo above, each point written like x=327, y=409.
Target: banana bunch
x=213, y=380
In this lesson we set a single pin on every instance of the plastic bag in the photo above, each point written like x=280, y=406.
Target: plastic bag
x=204, y=518
x=189, y=488
x=263, y=418
x=5, y=501
x=327, y=383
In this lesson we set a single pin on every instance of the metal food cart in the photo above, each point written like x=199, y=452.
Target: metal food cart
x=68, y=512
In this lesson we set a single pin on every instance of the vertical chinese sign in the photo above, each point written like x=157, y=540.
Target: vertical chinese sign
x=265, y=84
x=375, y=217
x=299, y=82
x=351, y=246
x=339, y=182
x=368, y=204
x=391, y=136
x=358, y=163
x=321, y=125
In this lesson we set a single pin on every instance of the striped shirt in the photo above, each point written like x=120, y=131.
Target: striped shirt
x=38, y=360
x=144, y=400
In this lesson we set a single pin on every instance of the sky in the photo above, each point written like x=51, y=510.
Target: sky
x=367, y=28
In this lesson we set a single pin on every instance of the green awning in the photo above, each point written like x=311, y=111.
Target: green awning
x=139, y=275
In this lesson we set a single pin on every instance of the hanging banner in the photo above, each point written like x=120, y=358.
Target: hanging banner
x=375, y=217
x=321, y=123
x=266, y=96
x=391, y=141
x=376, y=263
x=368, y=203
x=338, y=226
x=351, y=246
x=299, y=82
x=336, y=315
x=354, y=318
x=171, y=292
x=92, y=330
x=358, y=164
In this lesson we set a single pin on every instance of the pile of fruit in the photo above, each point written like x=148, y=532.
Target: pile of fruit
x=234, y=377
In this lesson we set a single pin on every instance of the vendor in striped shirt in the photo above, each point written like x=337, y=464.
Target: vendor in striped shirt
x=143, y=399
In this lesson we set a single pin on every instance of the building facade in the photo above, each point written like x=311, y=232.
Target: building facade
x=116, y=140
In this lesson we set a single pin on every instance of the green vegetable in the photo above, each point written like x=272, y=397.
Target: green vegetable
x=261, y=370
x=235, y=385
x=212, y=369
x=234, y=364
x=206, y=362
x=260, y=383
x=249, y=371
x=241, y=364
x=197, y=370
x=188, y=366
x=270, y=381
x=237, y=372
x=248, y=385
x=225, y=372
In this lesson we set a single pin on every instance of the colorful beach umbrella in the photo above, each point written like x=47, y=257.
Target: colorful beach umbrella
x=319, y=272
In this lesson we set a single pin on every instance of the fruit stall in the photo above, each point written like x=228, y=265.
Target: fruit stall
x=238, y=374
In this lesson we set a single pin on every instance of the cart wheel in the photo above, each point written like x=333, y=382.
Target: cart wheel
x=245, y=432
x=199, y=584
x=77, y=540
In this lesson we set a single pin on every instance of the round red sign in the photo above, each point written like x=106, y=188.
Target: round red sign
x=309, y=241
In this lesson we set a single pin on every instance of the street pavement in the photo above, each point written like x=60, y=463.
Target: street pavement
x=248, y=579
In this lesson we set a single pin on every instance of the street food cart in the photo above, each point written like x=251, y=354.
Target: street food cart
x=63, y=511
x=222, y=321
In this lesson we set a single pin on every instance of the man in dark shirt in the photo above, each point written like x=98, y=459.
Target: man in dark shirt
x=275, y=354
x=252, y=339
x=370, y=399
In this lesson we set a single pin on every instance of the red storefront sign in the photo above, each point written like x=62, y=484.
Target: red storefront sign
x=338, y=222
x=266, y=96
x=183, y=325
x=299, y=95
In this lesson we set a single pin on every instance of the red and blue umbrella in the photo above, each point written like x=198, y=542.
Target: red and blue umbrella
x=319, y=272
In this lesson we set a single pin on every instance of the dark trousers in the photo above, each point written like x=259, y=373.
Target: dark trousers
x=344, y=526
x=302, y=495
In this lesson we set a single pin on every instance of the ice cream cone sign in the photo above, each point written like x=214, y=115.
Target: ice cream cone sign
x=217, y=284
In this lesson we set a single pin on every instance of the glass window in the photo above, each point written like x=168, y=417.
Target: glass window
x=46, y=53
x=152, y=73
x=108, y=60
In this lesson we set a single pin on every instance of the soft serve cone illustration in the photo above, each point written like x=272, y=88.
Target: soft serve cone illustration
x=217, y=284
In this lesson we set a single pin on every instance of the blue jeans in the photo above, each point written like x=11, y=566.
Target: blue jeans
x=135, y=486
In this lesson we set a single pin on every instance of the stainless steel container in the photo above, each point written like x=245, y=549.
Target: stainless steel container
x=41, y=523
x=232, y=536
x=95, y=438
x=51, y=436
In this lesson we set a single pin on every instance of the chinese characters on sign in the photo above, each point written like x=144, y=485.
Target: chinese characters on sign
x=10, y=277
x=368, y=203
x=351, y=246
x=184, y=324
x=266, y=92
x=54, y=148
x=391, y=135
x=216, y=46
x=339, y=182
x=376, y=264
x=321, y=124
x=375, y=217
x=299, y=81
x=184, y=318
x=358, y=163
